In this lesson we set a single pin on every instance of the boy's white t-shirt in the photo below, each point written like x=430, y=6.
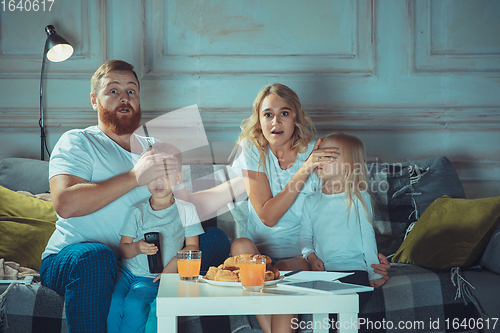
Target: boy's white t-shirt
x=343, y=239
x=173, y=223
x=90, y=154
x=281, y=240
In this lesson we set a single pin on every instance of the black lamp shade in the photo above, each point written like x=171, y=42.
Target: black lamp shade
x=58, y=49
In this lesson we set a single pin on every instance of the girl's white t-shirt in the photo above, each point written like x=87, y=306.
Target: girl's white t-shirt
x=343, y=239
x=281, y=240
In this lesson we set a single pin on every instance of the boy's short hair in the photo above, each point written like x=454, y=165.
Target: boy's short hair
x=109, y=66
x=168, y=148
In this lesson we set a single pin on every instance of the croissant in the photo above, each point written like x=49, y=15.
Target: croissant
x=230, y=270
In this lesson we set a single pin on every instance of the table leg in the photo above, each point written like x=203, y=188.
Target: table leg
x=167, y=324
x=348, y=322
x=320, y=322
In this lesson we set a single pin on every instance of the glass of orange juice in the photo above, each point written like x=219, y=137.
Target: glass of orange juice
x=188, y=264
x=252, y=272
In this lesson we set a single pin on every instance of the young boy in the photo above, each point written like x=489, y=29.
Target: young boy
x=176, y=221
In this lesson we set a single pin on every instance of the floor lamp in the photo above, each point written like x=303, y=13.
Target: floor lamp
x=56, y=49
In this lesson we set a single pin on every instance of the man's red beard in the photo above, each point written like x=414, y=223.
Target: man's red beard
x=120, y=125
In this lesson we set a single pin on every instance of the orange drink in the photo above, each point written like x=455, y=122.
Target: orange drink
x=188, y=264
x=189, y=267
x=252, y=273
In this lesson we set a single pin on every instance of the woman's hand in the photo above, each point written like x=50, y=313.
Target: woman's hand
x=383, y=267
x=319, y=157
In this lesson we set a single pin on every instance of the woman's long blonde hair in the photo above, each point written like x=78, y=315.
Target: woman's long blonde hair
x=252, y=131
x=356, y=180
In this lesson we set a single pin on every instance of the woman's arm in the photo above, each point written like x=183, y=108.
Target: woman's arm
x=211, y=200
x=271, y=208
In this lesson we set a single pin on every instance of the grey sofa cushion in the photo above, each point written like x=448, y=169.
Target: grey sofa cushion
x=24, y=174
x=403, y=191
x=491, y=255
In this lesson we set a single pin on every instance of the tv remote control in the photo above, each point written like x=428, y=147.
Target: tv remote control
x=154, y=261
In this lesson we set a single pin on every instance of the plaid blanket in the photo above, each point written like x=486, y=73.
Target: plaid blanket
x=419, y=299
x=31, y=308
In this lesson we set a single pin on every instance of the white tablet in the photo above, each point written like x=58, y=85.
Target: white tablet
x=325, y=287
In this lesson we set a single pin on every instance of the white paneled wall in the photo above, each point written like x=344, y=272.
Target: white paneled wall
x=413, y=79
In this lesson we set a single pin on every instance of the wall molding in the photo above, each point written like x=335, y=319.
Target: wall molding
x=215, y=119
x=431, y=57
x=160, y=61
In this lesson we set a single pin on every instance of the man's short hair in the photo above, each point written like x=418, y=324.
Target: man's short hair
x=170, y=149
x=110, y=66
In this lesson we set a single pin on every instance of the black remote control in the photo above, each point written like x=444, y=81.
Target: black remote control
x=155, y=262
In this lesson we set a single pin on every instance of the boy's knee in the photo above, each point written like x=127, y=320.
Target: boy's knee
x=243, y=246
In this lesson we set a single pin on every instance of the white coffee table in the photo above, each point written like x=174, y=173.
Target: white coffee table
x=178, y=298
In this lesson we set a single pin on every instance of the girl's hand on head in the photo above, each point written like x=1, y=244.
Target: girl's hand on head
x=377, y=282
x=146, y=248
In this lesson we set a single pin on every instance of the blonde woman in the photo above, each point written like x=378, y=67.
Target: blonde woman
x=277, y=161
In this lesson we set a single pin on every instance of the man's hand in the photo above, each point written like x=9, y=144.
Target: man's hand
x=152, y=165
x=383, y=267
x=146, y=248
x=316, y=263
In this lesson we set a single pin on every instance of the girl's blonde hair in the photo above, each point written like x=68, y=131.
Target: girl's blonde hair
x=352, y=150
x=252, y=131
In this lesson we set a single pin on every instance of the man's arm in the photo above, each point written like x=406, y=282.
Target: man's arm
x=73, y=196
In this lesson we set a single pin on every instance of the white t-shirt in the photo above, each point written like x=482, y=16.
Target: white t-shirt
x=92, y=155
x=173, y=223
x=281, y=240
x=344, y=240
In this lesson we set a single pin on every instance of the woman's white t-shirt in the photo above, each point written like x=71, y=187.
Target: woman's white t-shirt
x=281, y=240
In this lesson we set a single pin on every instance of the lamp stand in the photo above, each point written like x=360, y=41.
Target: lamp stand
x=40, y=122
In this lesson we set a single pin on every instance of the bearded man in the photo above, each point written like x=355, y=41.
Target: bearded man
x=96, y=176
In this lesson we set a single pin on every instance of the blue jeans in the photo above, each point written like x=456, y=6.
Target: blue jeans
x=130, y=302
x=85, y=274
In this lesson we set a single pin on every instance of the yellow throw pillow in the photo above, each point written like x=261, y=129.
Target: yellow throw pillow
x=451, y=232
x=19, y=205
x=26, y=225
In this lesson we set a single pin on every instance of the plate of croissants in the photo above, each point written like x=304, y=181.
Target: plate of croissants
x=228, y=275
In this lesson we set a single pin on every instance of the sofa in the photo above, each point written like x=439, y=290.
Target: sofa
x=445, y=249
